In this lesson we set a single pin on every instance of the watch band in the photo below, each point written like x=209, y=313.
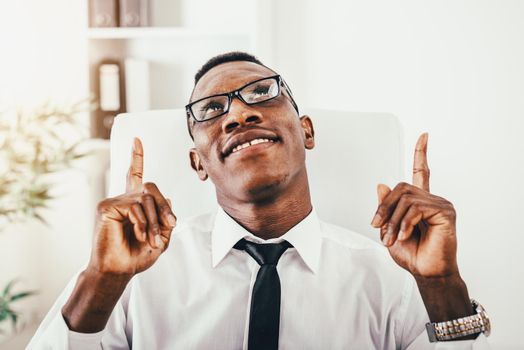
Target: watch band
x=460, y=327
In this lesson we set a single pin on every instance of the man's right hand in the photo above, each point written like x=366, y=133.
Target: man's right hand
x=132, y=230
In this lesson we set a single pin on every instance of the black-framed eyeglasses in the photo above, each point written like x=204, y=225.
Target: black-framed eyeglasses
x=258, y=91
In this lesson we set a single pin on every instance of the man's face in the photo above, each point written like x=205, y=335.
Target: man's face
x=260, y=170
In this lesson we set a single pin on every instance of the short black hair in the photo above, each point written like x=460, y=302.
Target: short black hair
x=224, y=58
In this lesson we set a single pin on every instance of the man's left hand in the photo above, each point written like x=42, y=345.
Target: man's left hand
x=418, y=227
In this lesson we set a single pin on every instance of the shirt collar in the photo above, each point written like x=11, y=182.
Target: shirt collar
x=304, y=236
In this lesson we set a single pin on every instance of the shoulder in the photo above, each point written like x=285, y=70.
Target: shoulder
x=348, y=239
x=360, y=254
x=196, y=223
x=193, y=231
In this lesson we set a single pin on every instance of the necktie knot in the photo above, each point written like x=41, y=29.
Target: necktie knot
x=264, y=254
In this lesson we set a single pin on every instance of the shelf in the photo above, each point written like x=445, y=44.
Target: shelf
x=157, y=32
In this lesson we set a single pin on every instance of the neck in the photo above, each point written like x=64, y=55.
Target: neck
x=273, y=217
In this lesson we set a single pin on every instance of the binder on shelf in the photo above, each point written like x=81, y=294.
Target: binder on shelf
x=137, y=85
x=103, y=13
x=134, y=13
x=109, y=87
x=111, y=96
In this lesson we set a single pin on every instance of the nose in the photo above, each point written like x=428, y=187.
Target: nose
x=240, y=115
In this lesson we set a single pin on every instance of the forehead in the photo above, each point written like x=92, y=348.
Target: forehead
x=229, y=76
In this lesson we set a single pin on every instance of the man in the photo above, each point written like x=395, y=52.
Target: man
x=263, y=272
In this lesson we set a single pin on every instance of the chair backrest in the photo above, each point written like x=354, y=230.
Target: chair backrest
x=353, y=153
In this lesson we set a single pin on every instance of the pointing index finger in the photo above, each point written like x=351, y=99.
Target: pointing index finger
x=420, y=163
x=136, y=168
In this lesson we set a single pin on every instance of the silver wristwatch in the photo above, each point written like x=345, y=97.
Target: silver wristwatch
x=461, y=327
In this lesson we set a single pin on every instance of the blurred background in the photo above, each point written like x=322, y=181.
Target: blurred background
x=453, y=68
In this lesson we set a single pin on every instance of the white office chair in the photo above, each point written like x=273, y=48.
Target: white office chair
x=353, y=153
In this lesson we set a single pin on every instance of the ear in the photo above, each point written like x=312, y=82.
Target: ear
x=309, y=132
x=196, y=164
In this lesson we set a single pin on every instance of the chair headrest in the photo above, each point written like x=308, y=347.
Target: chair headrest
x=353, y=153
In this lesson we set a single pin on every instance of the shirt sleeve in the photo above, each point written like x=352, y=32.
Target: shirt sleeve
x=54, y=334
x=414, y=335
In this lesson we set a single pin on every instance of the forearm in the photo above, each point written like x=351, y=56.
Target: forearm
x=445, y=298
x=92, y=301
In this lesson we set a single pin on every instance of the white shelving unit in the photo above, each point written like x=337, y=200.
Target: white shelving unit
x=182, y=36
x=160, y=32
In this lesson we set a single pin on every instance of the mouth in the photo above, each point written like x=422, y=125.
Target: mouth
x=252, y=139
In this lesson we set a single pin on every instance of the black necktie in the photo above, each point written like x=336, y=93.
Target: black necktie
x=264, y=319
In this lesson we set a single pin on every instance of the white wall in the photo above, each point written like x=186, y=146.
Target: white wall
x=42, y=48
x=42, y=55
x=452, y=68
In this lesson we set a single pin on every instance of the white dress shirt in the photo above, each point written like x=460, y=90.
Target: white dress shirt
x=340, y=290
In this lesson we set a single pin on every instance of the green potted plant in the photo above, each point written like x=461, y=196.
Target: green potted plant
x=33, y=146
x=7, y=311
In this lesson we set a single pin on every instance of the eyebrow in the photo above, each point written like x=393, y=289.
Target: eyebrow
x=253, y=79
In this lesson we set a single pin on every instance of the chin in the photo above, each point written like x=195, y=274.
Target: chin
x=262, y=187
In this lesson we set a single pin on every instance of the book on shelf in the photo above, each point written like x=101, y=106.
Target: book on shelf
x=109, y=88
x=134, y=13
x=123, y=13
x=103, y=13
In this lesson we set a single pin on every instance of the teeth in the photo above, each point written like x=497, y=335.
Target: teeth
x=250, y=143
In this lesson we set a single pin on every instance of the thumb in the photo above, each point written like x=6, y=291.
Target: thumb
x=382, y=192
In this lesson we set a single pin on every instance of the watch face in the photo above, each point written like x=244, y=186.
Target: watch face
x=484, y=316
x=487, y=323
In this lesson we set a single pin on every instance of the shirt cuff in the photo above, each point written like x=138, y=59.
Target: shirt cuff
x=87, y=341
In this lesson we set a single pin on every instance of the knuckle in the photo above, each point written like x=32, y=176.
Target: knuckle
x=424, y=169
x=452, y=214
x=392, y=224
x=103, y=206
x=405, y=199
x=166, y=244
x=382, y=209
x=142, y=222
x=146, y=197
x=414, y=218
x=448, y=204
x=150, y=186
x=165, y=209
x=134, y=173
x=402, y=186
x=417, y=206
x=440, y=199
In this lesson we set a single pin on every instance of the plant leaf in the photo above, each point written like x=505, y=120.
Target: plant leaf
x=22, y=295
x=14, y=319
x=7, y=288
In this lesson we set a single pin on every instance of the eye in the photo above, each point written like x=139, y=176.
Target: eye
x=212, y=107
x=261, y=90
